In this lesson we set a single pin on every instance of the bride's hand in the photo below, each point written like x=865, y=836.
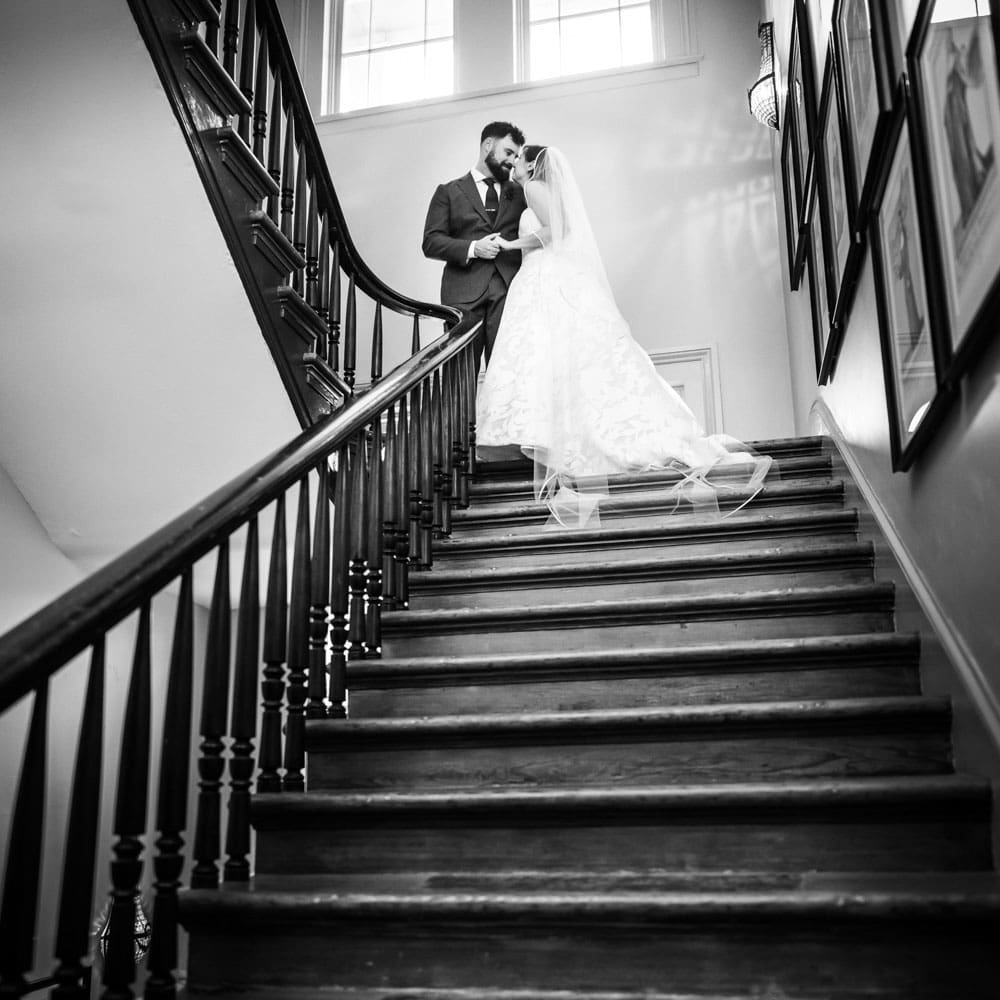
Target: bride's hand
x=502, y=243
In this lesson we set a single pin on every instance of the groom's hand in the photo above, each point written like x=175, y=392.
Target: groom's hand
x=487, y=248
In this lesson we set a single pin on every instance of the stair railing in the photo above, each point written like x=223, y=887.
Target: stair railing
x=392, y=464
x=228, y=71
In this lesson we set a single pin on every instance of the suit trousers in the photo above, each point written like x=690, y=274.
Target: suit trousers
x=489, y=308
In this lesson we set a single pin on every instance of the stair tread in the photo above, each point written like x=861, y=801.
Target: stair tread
x=837, y=711
x=606, y=610
x=745, y=521
x=278, y=810
x=766, y=559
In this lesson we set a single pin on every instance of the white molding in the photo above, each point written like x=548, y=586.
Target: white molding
x=981, y=694
x=707, y=356
x=389, y=115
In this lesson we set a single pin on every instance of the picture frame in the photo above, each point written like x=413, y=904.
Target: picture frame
x=954, y=76
x=819, y=292
x=791, y=187
x=860, y=39
x=908, y=295
x=800, y=102
x=900, y=18
x=838, y=206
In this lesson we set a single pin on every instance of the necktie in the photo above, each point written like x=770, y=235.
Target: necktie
x=492, y=200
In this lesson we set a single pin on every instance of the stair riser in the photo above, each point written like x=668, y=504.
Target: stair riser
x=523, y=522
x=613, y=760
x=551, y=550
x=634, y=692
x=770, y=960
x=635, y=636
x=688, y=842
x=569, y=590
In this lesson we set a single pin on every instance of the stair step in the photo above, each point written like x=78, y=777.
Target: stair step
x=638, y=508
x=504, y=490
x=486, y=585
x=625, y=624
x=852, y=938
x=873, y=665
x=903, y=823
x=635, y=747
x=496, y=489
x=696, y=534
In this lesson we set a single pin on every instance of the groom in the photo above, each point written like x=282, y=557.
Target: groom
x=463, y=221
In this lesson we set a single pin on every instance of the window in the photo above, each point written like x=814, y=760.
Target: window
x=565, y=37
x=393, y=51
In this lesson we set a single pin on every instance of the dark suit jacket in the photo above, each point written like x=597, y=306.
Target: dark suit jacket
x=457, y=216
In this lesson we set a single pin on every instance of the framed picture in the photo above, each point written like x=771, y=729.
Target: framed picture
x=862, y=60
x=819, y=292
x=900, y=17
x=907, y=291
x=800, y=103
x=791, y=189
x=955, y=80
x=835, y=188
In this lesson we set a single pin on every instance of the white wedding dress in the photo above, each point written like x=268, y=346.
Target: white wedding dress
x=569, y=385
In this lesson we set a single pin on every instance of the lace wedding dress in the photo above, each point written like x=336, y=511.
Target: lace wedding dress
x=569, y=385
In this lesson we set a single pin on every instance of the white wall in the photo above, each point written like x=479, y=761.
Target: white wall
x=941, y=515
x=677, y=178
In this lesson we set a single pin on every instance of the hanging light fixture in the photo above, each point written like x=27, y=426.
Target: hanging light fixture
x=763, y=95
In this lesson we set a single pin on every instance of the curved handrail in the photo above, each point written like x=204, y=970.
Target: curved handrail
x=48, y=639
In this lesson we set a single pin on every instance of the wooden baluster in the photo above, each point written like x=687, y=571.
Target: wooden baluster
x=389, y=507
x=373, y=544
x=129, y=823
x=377, y=345
x=455, y=445
x=231, y=37
x=171, y=818
x=288, y=178
x=438, y=457
x=260, y=101
x=311, y=293
x=248, y=43
x=350, y=335
x=212, y=39
x=445, y=448
x=19, y=910
x=244, y=714
x=214, y=698
x=301, y=212
x=323, y=305
x=414, y=478
x=77, y=896
x=272, y=686
x=402, y=476
x=340, y=592
x=462, y=433
x=274, y=150
x=298, y=649
x=470, y=402
x=415, y=339
x=427, y=428
x=356, y=575
x=319, y=598
x=334, y=358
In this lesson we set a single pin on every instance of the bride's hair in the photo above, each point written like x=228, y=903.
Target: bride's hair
x=531, y=156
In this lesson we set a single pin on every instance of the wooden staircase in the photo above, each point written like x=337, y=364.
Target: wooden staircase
x=672, y=757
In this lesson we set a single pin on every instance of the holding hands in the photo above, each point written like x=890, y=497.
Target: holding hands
x=489, y=246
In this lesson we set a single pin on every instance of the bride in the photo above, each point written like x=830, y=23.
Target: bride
x=568, y=384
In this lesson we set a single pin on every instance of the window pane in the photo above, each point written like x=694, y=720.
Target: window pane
x=590, y=43
x=569, y=7
x=356, y=14
x=395, y=22
x=637, y=36
x=353, y=83
x=439, y=72
x=543, y=8
x=439, y=18
x=954, y=10
x=396, y=75
x=545, y=50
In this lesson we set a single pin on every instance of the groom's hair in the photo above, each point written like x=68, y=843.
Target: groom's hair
x=500, y=130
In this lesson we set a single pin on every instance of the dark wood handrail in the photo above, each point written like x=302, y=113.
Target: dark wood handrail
x=46, y=641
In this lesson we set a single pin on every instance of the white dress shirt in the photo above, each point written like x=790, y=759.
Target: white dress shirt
x=478, y=176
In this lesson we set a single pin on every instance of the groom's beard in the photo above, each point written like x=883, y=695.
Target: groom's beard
x=497, y=169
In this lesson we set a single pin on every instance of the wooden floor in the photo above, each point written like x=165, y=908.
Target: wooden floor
x=674, y=757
